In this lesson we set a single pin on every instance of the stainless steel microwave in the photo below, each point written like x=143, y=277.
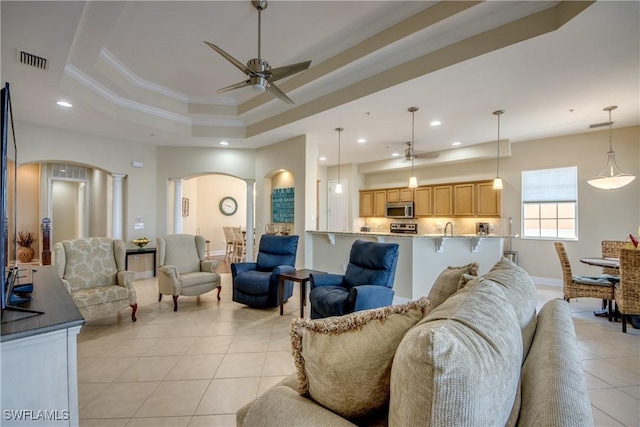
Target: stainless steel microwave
x=400, y=210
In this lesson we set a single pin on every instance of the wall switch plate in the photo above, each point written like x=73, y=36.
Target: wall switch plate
x=138, y=226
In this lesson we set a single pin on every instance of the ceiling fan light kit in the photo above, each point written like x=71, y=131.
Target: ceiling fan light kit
x=261, y=76
x=497, y=181
x=611, y=177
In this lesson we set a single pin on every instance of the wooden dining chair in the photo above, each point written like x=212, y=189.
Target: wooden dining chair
x=228, y=237
x=239, y=245
x=583, y=286
x=627, y=292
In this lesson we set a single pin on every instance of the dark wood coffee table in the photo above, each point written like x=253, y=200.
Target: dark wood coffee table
x=299, y=276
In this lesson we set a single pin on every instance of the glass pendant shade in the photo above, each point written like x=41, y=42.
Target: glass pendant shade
x=497, y=183
x=611, y=177
x=338, y=189
x=413, y=180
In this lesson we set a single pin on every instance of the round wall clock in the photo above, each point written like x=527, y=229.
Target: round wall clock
x=228, y=206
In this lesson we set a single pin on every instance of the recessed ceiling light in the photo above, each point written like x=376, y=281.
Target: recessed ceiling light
x=322, y=158
x=64, y=104
x=395, y=154
x=455, y=144
x=435, y=123
x=224, y=143
x=362, y=140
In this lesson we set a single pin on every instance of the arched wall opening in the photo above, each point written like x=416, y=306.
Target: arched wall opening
x=76, y=197
x=279, y=195
x=200, y=208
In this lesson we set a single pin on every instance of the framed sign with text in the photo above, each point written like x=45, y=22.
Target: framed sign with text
x=282, y=205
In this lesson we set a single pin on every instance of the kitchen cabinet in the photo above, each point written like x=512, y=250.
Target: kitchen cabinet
x=395, y=195
x=423, y=202
x=373, y=203
x=443, y=200
x=464, y=199
x=488, y=202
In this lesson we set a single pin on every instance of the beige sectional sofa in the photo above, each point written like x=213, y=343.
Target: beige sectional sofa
x=475, y=352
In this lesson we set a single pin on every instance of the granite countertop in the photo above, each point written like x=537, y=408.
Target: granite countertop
x=427, y=236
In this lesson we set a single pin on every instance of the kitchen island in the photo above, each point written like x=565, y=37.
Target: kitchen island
x=422, y=256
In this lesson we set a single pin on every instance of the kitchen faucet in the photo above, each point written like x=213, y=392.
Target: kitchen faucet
x=447, y=225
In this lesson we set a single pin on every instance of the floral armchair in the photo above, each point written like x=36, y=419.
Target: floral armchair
x=93, y=272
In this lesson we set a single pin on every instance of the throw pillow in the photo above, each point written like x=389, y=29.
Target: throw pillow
x=521, y=293
x=344, y=362
x=448, y=282
x=460, y=365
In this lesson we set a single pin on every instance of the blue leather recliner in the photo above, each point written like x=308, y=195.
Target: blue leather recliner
x=256, y=283
x=367, y=282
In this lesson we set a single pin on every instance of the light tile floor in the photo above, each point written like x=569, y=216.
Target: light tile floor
x=197, y=366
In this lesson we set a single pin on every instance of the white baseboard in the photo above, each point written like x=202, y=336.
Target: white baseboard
x=143, y=274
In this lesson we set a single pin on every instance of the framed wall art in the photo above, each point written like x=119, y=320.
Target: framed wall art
x=185, y=206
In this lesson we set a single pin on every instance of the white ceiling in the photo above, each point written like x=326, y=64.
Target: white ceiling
x=139, y=71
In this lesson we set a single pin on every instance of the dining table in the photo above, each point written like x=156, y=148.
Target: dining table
x=602, y=261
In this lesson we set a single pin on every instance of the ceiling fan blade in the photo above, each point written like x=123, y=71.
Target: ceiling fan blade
x=239, y=65
x=235, y=86
x=275, y=90
x=288, y=70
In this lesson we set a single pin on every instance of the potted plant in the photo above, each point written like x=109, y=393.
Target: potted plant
x=24, y=240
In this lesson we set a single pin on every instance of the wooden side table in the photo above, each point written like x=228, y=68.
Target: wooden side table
x=298, y=276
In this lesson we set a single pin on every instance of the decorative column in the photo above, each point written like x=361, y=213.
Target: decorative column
x=116, y=217
x=250, y=219
x=177, y=205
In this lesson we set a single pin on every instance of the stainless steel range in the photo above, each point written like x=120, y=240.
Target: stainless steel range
x=404, y=228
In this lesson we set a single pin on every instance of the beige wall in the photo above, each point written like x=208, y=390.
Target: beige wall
x=294, y=156
x=189, y=162
x=42, y=144
x=209, y=220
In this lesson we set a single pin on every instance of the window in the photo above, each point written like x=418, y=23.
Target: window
x=549, y=203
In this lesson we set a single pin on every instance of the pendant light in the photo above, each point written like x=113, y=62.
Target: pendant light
x=497, y=181
x=339, y=184
x=413, y=181
x=611, y=177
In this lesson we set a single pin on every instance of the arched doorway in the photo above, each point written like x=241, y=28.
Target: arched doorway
x=202, y=212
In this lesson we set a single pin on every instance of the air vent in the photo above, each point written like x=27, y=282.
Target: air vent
x=32, y=60
x=600, y=125
x=66, y=170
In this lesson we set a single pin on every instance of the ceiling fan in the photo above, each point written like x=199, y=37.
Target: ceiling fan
x=410, y=153
x=261, y=76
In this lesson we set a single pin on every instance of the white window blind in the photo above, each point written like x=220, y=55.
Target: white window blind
x=550, y=185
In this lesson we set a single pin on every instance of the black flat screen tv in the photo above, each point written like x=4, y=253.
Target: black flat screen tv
x=12, y=293
x=6, y=210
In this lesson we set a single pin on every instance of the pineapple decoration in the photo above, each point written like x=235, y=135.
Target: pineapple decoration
x=25, y=240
